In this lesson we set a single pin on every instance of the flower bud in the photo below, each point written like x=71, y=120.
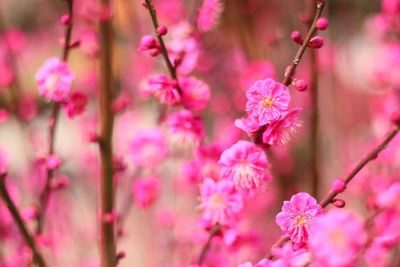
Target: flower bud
x=296, y=36
x=339, y=203
x=300, y=85
x=162, y=30
x=322, y=24
x=338, y=186
x=316, y=42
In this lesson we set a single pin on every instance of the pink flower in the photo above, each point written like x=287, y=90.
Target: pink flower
x=246, y=165
x=196, y=93
x=280, y=132
x=268, y=101
x=208, y=15
x=54, y=80
x=337, y=238
x=296, y=216
x=145, y=191
x=186, y=125
x=261, y=263
x=164, y=90
x=76, y=104
x=219, y=202
x=149, y=148
x=288, y=256
x=249, y=124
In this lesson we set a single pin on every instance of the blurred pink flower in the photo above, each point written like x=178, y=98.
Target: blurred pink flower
x=261, y=263
x=296, y=216
x=337, y=237
x=287, y=255
x=76, y=104
x=220, y=203
x=164, y=90
x=54, y=80
x=145, y=191
x=245, y=165
x=268, y=101
x=196, y=93
x=149, y=148
x=209, y=14
x=186, y=125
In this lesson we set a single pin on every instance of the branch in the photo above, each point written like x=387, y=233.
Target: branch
x=30, y=241
x=373, y=154
x=107, y=227
x=213, y=232
x=45, y=195
x=164, y=51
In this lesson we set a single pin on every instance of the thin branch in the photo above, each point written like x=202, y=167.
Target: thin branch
x=303, y=47
x=45, y=195
x=213, y=232
x=107, y=244
x=30, y=241
x=164, y=51
x=373, y=154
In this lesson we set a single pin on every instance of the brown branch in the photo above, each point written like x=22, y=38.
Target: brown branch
x=213, y=232
x=45, y=195
x=30, y=241
x=303, y=47
x=373, y=154
x=107, y=244
x=164, y=51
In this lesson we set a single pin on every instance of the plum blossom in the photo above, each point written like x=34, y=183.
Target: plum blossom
x=196, y=93
x=76, y=104
x=208, y=15
x=186, y=125
x=54, y=79
x=338, y=236
x=280, y=132
x=290, y=257
x=268, y=101
x=246, y=165
x=149, y=148
x=296, y=216
x=164, y=90
x=220, y=203
x=261, y=263
x=145, y=191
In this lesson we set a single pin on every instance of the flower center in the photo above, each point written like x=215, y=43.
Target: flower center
x=267, y=102
x=216, y=201
x=52, y=81
x=337, y=238
x=300, y=219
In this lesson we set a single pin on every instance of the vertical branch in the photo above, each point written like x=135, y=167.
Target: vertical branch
x=45, y=195
x=314, y=118
x=29, y=240
x=213, y=232
x=107, y=232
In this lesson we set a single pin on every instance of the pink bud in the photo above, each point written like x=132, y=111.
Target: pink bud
x=296, y=36
x=147, y=42
x=338, y=186
x=59, y=182
x=53, y=162
x=65, y=20
x=162, y=30
x=120, y=255
x=395, y=118
x=316, y=42
x=300, y=85
x=92, y=137
x=75, y=44
x=3, y=115
x=155, y=52
x=110, y=217
x=339, y=203
x=322, y=24
x=29, y=213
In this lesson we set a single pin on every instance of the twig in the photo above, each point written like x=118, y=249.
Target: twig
x=164, y=51
x=45, y=195
x=213, y=232
x=373, y=154
x=107, y=227
x=303, y=47
x=314, y=118
x=30, y=241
